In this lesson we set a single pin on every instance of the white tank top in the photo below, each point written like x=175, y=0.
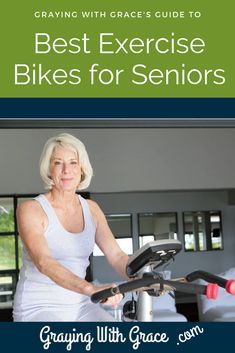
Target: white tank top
x=71, y=250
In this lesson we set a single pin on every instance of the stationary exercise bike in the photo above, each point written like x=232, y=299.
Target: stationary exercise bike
x=147, y=282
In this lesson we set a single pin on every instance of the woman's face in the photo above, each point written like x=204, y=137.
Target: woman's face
x=65, y=170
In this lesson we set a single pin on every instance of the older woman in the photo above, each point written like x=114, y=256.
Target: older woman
x=59, y=230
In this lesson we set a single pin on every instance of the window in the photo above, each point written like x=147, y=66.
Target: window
x=10, y=247
x=157, y=226
x=121, y=227
x=9, y=250
x=202, y=231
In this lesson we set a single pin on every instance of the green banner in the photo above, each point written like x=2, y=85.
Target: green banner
x=74, y=48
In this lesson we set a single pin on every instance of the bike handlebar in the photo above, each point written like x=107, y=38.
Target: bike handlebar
x=210, y=290
x=122, y=288
x=229, y=285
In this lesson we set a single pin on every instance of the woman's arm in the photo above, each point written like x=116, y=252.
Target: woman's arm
x=107, y=243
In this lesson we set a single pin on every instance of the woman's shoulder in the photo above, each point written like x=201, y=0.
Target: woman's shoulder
x=96, y=212
x=30, y=216
x=93, y=205
x=29, y=205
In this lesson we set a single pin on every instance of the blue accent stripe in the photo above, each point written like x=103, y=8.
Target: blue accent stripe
x=74, y=108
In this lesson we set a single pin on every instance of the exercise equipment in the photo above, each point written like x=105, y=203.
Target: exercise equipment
x=145, y=280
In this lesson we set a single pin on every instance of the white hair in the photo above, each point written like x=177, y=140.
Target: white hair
x=65, y=140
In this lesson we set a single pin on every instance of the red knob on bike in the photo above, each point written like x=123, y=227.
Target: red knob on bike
x=230, y=286
x=212, y=290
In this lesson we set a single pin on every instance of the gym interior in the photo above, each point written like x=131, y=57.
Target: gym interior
x=151, y=183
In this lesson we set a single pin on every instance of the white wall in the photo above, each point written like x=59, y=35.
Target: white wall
x=127, y=159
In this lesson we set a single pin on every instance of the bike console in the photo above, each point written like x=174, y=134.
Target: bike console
x=155, y=253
